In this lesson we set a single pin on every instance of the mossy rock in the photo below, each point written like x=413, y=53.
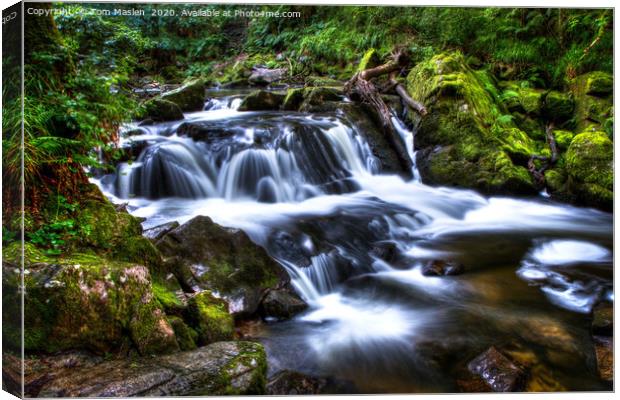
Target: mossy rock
x=563, y=138
x=262, y=100
x=315, y=98
x=114, y=232
x=84, y=301
x=370, y=59
x=598, y=83
x=556, y=180
x=231, y=260
x=160, y=110
x=468, y=137
x=209, y=316
x=589, y=164
x=558, y=106
x=186, y=336
x=594, y=111
x=531, y=100
x=189, y=97
x=294, y=98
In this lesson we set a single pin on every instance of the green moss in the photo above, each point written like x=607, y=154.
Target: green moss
x=482, y=143
x=189, y=97
x=369, y=60
x=563, y=138
x=589, y=109
x=589, y=164
x=558, y=106
x=262, y=100
x=294, y=98
x=252, y=357
x=598, y=83
x=159, y=110
x=209, y=316
x=555, y=179
x=166, y=298
x=531, y=100
x=186, y=336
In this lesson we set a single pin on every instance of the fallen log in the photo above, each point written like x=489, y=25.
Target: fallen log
x=360, y=88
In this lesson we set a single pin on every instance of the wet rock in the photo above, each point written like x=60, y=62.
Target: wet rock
x=87, y=302
x=603, y=319
x=207, y=132
x=157, y=232
x=457, y=145
x=282, y=304
x=589, y=165
x=442, y=268
x=210, y=318
x=604, y=350
x=288, y=382
x=223, y=368
x=262, y=100
x=318, y=97
x=499, y=373
x=289, y=248
x=189, y=97
x=161, y=110
x=293, y=100
x=387, y=251
x=558, y=106
x=204, y=254
x=265, y=76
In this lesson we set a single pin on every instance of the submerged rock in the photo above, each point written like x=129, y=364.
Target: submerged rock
x=604, y=351
x=223, y=368
x=189, y=97
x=501, y=374
x=262, y=100
x=442, y=268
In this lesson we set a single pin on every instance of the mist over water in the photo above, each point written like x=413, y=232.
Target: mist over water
x=373, y=319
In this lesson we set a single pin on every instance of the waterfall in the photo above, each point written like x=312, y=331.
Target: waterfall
x=408, y=137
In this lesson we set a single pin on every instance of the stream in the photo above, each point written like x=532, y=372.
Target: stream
x=308, y=189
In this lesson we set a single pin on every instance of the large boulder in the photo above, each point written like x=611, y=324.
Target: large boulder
x=223, y=260
x=189, y=97
x=223, y=368
x=266, y=76
x=160, y=110
x=210, y=318
x=589, y=165
x=262, y=100
x=593, y=101
x=86, y=302
x=468, y=139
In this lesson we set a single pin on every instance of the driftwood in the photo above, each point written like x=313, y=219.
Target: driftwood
x=539, y=173
x=360, y=88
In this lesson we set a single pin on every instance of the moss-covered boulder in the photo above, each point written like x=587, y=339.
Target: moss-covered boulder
x=87, y=302
x=189, y=97
x=186, y=336
x=558, y=106
x=210, y=318
x=468, y=138
x=589, y=165
x=226, y=261
x=117, y=233
x=531, y=100
x=593, y=102
x=293, y=99
x=262, y=100
x=160, y=110
x=317, y=97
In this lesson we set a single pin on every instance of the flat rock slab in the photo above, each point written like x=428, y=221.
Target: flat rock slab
x=216, y=369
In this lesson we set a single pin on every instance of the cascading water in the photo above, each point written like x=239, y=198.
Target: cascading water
x=362, y=239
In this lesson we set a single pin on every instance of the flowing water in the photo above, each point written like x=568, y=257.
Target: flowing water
x=308, y=188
